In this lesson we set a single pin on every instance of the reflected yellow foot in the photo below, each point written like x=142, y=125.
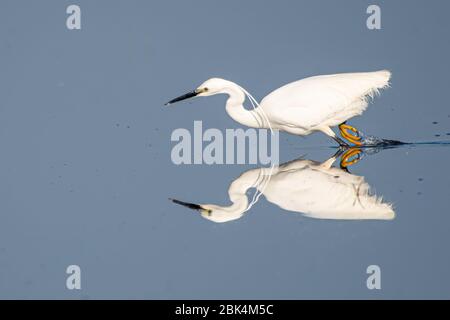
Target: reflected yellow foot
x=350, y=157
x=353, y=137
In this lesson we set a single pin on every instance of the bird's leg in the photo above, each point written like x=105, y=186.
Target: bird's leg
x=354, y=137
x=327, y=130
x=350, y=157
x=338, y=153
x=342, y=143
x=329, y=163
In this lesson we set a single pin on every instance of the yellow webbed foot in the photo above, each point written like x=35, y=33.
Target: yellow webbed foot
x=350, y=133
x=350, y=157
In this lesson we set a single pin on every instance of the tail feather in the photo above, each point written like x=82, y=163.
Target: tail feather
x=378, y=80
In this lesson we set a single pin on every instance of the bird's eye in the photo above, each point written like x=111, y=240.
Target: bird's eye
x=205, y=89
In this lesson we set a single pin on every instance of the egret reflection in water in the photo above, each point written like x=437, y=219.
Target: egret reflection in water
x=315, y=189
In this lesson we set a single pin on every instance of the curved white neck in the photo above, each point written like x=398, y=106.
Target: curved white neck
x=237, y=193
x=236, y=110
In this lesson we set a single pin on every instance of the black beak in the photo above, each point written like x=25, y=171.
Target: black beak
x=189, y=205
x=183, y=97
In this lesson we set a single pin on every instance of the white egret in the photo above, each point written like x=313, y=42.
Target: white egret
x=304, y=106
x=317, y=190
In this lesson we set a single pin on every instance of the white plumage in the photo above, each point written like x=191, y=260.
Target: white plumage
x=301, y=107
x=314, y=189
x=318, y=101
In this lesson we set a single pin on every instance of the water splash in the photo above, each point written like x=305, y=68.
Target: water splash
x=370, y=141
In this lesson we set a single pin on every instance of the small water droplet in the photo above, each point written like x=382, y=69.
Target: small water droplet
x=435, y=122
x=437, y=135
x=420, y=179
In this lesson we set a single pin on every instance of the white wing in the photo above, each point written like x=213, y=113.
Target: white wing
x=325, y=193
x=323, y=100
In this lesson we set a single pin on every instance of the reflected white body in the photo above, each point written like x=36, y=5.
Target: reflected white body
x=314, y=189
x=302, y=107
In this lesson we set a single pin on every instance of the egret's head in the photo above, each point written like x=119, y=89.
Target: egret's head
x=213, y=86
x=207, y=88
x=211, y=212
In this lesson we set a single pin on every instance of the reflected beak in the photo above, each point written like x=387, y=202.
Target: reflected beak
x=189, y=205
x=184, y=97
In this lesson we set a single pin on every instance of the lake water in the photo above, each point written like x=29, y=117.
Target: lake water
x=86, y=172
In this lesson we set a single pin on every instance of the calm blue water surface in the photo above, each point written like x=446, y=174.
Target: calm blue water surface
x=86, y=170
